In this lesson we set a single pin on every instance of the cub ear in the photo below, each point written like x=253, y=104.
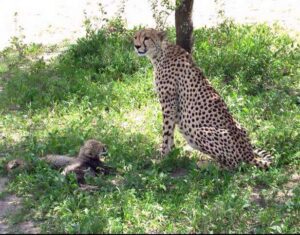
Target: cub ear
x=162, y=35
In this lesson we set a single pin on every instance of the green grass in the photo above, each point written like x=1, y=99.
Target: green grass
x=98, y=88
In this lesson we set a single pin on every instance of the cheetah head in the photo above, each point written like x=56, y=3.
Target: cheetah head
x=92, y=149
x=148, y=42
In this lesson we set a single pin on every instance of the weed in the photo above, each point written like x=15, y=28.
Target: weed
x=98, y=88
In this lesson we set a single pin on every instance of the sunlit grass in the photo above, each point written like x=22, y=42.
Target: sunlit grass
x=100, y=89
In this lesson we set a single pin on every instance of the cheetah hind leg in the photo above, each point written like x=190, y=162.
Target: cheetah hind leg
x=212, y=141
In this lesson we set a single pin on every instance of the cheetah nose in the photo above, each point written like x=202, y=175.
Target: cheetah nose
x=137, y=47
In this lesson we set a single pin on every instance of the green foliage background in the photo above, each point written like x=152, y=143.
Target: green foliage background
x=98, y=88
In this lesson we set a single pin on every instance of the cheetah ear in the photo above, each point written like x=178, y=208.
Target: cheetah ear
x=162, y=35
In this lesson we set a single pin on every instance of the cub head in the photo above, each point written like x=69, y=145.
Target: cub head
x=16, y=164
x=148, y=42
x=92, y=149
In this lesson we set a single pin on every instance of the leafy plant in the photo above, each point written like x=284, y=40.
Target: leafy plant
x=98, y=88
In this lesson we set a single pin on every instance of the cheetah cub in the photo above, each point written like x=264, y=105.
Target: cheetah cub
x=189, y=101
x=86, y=163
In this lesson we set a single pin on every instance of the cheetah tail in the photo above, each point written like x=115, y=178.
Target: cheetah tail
x=262, y=159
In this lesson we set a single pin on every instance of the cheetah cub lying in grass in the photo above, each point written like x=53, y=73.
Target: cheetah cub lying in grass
x=86, y=163
x=190, y=102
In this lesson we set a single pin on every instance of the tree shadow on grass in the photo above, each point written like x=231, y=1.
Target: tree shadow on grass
x=139, y=173
x=132, y=153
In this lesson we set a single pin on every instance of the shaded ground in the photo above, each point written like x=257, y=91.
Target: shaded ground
x=169, y=196
x=9, y=205
x=280, y=197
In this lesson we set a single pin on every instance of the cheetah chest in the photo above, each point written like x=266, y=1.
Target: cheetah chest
x=191, y=99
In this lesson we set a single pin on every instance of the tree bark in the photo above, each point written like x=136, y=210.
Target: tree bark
x=184, y=24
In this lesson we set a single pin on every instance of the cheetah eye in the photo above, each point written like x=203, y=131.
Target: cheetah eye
x=135, y=37
x=147, y=38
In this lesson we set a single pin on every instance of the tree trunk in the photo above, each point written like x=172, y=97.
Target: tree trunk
x=184, y=24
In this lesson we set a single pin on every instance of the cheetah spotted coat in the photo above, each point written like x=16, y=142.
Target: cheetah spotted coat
x=190, y=102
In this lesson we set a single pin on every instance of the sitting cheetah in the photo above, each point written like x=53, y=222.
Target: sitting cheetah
x=87, y=162
x=190, y=102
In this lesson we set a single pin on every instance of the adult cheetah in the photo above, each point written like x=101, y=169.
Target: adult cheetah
x=188, y=100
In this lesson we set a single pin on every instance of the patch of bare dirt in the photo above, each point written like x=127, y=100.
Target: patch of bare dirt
x=9, y=205
x=28, y=227
x=257, y=197
x=179, y=172
x=287, y=191
x=281, y=196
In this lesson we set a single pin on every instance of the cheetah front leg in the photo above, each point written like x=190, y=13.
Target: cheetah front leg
x=169, y=117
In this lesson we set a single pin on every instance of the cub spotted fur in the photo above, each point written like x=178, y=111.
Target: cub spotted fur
x=87, y=161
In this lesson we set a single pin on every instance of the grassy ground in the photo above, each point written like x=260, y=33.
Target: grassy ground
x=98, y=88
